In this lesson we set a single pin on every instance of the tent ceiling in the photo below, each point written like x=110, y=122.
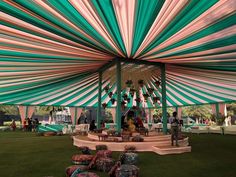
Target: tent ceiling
x=50, y=50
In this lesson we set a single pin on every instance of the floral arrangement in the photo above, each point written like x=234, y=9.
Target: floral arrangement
x=106, y=88
x=150, y=90
x=113, y=100
x=146, y=96
x=156, y=99
x=110, y=94
x=129, y=83
x=104, y=105
x=141, y=83
x=125, y=96
x=157, y=83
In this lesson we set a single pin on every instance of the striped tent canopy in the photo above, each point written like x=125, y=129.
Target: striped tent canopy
x=51, y=50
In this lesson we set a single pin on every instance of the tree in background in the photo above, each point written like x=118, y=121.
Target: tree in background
x=231, y=109
x=197, y=111
x=9, y=109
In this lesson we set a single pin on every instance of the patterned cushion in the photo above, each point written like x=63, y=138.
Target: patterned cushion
x=87, y=174
x=104, y=153
x=82, y=159
x=129, y=158
x=127, y=171
x=71, y=169
x=104, y=164
x=85, y=150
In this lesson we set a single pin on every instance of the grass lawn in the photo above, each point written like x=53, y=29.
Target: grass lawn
x=26, y=155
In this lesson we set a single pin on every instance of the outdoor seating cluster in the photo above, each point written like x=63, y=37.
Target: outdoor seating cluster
x=86, y=164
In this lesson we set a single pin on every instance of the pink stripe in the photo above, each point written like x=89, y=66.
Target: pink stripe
x=125, y=16
x=221, y=34
x=196, y=54
x=218, y=11
x=166, y=15
x=85, y=9
x=60, y=17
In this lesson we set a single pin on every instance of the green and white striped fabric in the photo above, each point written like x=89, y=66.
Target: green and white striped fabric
x=50, y=51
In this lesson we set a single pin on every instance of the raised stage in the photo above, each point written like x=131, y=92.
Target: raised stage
x=155, y=142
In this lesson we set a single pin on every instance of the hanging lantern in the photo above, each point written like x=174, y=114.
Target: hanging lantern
x=150, y=90
x=104, y=105
x=156, y=99
x=138, y=100
x=141, y=83
x=131, y=92
x=157, y=83
x=129, y=83
x=106, y=89
x=134, y=107
x=110, y=94
x=128, y=100
x=125, y=96
x=113, y=100
x=123, y=105
x=145, y=96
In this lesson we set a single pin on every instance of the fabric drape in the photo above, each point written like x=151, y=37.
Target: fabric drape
x=75, y=114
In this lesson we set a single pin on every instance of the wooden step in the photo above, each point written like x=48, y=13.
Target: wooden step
x=171, y=150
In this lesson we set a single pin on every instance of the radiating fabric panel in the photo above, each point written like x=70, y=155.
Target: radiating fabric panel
x=50, y=51
x=22, y=111
x=75, y=114
x=26, y=112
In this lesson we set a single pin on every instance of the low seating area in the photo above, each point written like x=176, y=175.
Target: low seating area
x=229, y=130
x=124, y=166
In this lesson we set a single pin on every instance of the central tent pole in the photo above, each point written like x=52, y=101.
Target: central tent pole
x=163, y=92
x=99, y=111
x=118, y=85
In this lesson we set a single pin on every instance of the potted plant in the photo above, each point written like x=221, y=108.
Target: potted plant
x=128, y=100
x=156, y=99
x=150, y=90
x=145, y=96
x=125, y=96
x=123, y=104
x=113, y=100
x=157, y=83
x=129, y=83
x=131, y=92
x=141, y=83
x=104, y=105
x=106, y=89
x=138, y=100
x=110, y=94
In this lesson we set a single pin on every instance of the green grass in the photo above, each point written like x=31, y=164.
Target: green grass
x=25, y=155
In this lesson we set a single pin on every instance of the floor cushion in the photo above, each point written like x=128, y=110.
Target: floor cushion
x=104, y=164
x=129, y=158
x=127, y=171
x=82, y=159
x=87, y=174
x=78, y=168
x=104, y=153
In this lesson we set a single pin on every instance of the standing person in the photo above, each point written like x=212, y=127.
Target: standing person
x=36, y=121
x=29, y=124
x=174, y=129
x=92, y=126
x=13, y=125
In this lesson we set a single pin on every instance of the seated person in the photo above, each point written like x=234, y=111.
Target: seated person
x=131, y=125
x=139, y=122
x=124, y=124
x=92, y=126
